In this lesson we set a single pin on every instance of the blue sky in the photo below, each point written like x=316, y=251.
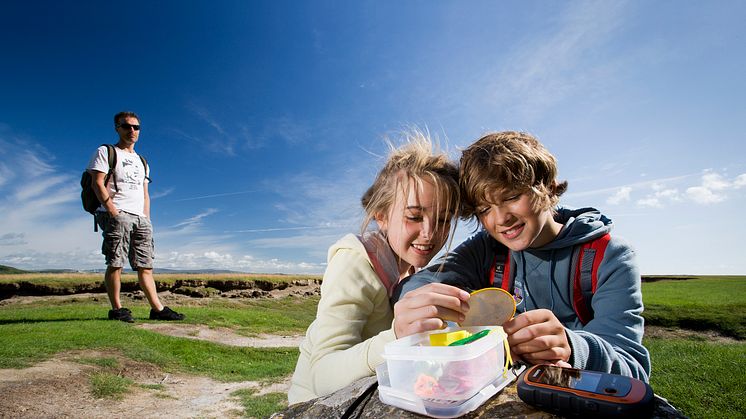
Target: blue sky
x=264, y=121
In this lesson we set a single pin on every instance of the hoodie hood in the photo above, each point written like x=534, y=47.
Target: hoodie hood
x=375, y=248
x=579, y=226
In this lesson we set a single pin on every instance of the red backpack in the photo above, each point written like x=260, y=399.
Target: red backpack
x=585, y=258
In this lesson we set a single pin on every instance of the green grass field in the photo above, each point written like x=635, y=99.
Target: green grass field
x=700, y=376
x=34, y=332
x=706, y=303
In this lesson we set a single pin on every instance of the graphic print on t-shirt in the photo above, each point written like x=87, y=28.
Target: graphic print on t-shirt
x=131, y=172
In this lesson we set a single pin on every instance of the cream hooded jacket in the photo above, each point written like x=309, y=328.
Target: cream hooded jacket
x=353, y=320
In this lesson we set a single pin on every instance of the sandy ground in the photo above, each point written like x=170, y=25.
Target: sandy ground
x=225, y=336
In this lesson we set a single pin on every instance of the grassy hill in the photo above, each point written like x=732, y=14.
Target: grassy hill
x=10, y=270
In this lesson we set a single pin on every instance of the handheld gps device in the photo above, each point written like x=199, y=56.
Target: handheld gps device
x=574, y=392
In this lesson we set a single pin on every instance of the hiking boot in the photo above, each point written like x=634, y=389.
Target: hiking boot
x=121, y=314
x=165, y=314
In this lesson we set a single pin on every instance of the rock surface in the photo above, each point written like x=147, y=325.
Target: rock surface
x=505, y=404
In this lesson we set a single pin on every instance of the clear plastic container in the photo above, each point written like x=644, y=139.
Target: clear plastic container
x=443, y=381
x=445, y=375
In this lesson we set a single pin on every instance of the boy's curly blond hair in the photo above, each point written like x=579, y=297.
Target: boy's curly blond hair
x=506, y=163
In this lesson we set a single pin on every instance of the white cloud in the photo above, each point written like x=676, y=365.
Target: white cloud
x=703, y=195
x=739, y=181
x=670, y=194
x=622, y=195
x=712, y=189
x=241, y=263
x=714, y=182
x=650, y=201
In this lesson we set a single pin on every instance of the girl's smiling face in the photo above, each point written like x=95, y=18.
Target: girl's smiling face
x=416, y=225
x=513, y=221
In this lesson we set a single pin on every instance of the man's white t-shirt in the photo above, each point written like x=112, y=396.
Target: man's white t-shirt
x=130, y=176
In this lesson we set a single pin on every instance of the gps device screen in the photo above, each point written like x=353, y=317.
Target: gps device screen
x=587, y=381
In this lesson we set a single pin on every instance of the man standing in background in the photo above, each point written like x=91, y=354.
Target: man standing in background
x=124, y=217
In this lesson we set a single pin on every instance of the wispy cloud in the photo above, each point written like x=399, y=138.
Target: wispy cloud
x=12, y=239
x=621, y=195
x=230, y=140
x=196, y=220
x=5, y=174
x=204, y=115
x=194, y=198
x=267, y=230
x=658, y=193
x=243, y=263
x=211, y=144
x=161, y=194
x=649, y=183
x=543, y=70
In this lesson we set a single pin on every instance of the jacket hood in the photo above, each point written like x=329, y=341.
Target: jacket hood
x=579, y=226
x=375, y=248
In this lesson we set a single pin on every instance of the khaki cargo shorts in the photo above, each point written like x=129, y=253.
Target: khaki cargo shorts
x=126, y=236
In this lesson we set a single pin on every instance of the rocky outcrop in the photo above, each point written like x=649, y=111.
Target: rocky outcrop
x=505, y=404
x=194, y=287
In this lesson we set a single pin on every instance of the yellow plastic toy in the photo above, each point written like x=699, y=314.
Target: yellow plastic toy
x=445, y=339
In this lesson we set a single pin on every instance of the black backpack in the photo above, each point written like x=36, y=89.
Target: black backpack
x=88, y=196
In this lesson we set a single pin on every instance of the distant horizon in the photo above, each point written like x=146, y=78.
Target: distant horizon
x=264, y=123
x=229, y=272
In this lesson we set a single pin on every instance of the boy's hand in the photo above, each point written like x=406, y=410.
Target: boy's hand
x=538, y=337
x=428, y=308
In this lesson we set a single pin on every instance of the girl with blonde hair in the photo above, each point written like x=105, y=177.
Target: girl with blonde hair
x=412, y=200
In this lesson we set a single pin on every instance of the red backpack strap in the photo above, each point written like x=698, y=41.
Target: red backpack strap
x=507, y=278
x=587, y=258
x=501, y=268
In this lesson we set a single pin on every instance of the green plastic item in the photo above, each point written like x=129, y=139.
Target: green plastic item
x=472, y=338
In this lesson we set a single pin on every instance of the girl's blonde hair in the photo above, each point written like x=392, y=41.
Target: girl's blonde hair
x=418, y=160
x=504, y=163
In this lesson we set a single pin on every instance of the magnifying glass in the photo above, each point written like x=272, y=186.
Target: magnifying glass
x=489, y=307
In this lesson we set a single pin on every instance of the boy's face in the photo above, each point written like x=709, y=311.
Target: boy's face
x=513, y=222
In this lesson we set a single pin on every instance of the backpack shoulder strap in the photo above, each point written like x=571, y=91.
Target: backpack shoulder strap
x=145, y=166
x=586, y=259
x=501, y=269
x=112, y=153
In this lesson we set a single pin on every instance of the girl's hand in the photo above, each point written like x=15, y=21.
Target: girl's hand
x=428, y=308
x=538, y=337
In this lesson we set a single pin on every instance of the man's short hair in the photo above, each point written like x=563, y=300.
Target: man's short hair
x=508, y=162
x=125, y=114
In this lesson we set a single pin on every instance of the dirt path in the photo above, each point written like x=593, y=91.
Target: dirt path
x=222, y=335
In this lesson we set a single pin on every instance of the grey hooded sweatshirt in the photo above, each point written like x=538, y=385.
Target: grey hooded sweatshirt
x=612, y=340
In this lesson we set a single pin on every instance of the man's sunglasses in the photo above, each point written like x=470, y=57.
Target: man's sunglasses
x=128, y=126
